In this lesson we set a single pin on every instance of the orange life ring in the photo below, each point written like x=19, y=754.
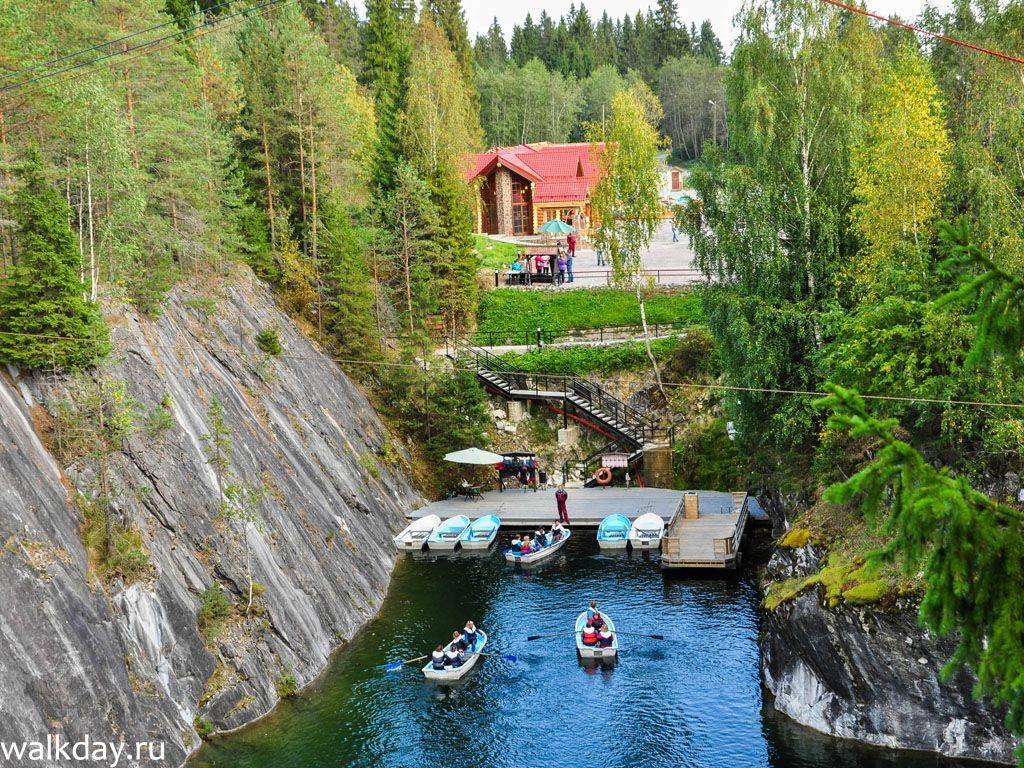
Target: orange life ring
x=603, y=476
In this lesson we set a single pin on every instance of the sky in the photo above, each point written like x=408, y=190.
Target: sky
x=479, y=13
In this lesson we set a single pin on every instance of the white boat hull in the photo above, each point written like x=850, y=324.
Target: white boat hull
x=450, y=674
x=647, y=531
x=592, y=651
x=543, y=554
x=480, y=544
x=415, y=534
x=639, y=543
x=442, y=546
x=445, y=537
x=481, y=533
x=615, y=544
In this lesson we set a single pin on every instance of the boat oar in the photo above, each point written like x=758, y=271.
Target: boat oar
x=503, y=656
x=392, y=666
x=553, y=634
x=640, y=634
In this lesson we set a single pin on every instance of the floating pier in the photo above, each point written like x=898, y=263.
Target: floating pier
x=704, y=528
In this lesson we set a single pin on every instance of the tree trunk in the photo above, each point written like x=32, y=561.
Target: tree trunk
x=93, y=276
x=129, y=101
x=647, y=342
x=407, y=269
x=302, y=173
x=270, y=183
x=314, y=233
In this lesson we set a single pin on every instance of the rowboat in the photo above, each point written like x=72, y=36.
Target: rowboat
x=481, y=533
x=446, y=535
x=593, y=652
x=613, y=532
x=415, y=534
x=540, y=554
x=646, y=531
x=454, y=673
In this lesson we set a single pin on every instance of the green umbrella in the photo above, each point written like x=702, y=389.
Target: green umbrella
x=557, y=227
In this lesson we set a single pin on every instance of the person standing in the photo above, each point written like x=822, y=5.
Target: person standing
x=600, y=255
x=562, y=262
x=675, y=232
x=561, y=497
x=571, y=242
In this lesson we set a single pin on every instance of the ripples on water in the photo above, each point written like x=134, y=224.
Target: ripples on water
x=693, y=699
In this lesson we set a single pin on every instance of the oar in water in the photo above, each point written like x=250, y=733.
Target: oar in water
x=504, y=656
x=560, y=634
x=392, y=666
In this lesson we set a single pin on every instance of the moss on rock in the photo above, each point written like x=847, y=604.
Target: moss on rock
x=795, y=538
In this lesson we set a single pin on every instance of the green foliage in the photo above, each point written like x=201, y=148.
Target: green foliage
x=494, y=254
x=705, y=457
x=287, y=685
x=369, y=464
x=214, y=611
x=515, y=313
x=581, y=360
x=269, y=342
x=349, y=312
x=115, y=551
x=968, y=548
x=203, y=727
x=44, y=319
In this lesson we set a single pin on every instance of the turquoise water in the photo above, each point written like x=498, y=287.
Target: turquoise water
x=692, y=700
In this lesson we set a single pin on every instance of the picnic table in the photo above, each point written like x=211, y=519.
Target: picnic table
x=469, y=492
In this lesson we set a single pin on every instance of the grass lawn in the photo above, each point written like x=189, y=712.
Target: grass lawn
x=512, y=311
x=629, y=356
x=494, y=254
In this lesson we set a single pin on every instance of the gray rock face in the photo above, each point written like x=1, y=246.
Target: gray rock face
x=872, y=674
x=127, y=662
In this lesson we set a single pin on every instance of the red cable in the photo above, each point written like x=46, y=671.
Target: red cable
x=929, y=33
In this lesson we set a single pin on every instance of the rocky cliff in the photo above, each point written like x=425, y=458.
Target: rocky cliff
x=871, y=673
x=111, y=660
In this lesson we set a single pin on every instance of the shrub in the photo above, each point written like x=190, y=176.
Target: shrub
x=580, y=360
x=125, y=558
x=203, y=727
x=213, y=613
x=511, y=315
x=287, y=685
x=269, y=342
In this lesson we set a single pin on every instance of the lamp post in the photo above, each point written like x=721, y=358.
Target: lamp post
x=714, y=121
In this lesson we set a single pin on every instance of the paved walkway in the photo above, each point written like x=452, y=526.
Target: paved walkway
x=671, y=258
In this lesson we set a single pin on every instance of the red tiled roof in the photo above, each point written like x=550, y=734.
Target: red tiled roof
x=559, y=172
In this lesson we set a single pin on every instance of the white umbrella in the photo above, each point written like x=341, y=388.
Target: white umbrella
x=473, y=456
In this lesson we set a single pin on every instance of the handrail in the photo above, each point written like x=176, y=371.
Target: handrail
x=540, y=336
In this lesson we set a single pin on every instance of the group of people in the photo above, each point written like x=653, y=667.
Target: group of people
x=525, y=469
x=596, y=631
x=558, y=265
x=526, y=544
x=453, y=655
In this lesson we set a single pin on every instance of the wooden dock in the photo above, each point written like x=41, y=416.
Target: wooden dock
x=704, y=528
x=703, y=536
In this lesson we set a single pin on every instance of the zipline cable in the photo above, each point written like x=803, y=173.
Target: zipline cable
x=175, y=36
x=107, y=43
x=926, y=32
x=671, y=384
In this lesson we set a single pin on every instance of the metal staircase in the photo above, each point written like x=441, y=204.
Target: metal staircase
x=628, y=429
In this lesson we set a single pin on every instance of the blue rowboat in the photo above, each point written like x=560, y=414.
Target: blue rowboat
x=613, y=532
x=481, y=533
x=446, y=535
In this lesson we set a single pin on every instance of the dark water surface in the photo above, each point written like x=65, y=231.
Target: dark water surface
x=692, y=700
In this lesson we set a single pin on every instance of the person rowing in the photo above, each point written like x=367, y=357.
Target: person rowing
x=454, y=657
x=469, y=635
x=437, y=658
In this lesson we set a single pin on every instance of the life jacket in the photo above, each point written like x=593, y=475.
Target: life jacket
x=437, y=659
x=589, y=636
x=605, y=639
x=527, y=549
x=454, y=658
x=469, y=638
x=517, y=544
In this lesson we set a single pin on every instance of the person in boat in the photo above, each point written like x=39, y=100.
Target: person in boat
x=557, y=531
x=517, y=543
x=437, y=658
x=540, y=538
x=458, y=641
x=527, y=547
x=454, y=657
x=589, y=634
x=469, y=635
x=605, y=637
x=592, y=610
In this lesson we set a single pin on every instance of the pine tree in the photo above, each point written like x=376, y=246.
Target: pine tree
x=386, y=58
x=707, y=44
x=349, y=302
x=457, y=263
x=44, y=318
x=450, y=18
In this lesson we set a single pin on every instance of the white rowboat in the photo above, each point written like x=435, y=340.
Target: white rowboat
x=446, y=535
x=646, y=531
x=454, y=673
x=613, y=532
x=415, y=534
x=540, y=554
x=481, y=533
x=592, y=651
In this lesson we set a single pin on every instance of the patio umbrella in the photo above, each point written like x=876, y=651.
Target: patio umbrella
x=557, y=227
x=473, y=456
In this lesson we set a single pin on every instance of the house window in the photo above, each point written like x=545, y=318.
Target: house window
x=677, y=182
